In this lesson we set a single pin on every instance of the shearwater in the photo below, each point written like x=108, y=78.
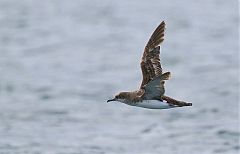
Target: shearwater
x=151, y=92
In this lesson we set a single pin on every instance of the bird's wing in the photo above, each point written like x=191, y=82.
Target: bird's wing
x=155, y=87
x=150, y=64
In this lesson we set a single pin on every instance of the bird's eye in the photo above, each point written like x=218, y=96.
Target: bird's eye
x=116, y=97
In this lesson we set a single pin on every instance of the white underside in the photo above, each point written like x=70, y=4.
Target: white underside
x=154, y=104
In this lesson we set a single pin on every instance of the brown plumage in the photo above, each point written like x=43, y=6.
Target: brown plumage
x=150, y=63
x=152, y=86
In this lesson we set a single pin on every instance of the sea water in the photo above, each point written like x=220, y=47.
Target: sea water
x=61, y=60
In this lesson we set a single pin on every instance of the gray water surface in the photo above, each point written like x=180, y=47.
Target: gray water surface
x=61, y=60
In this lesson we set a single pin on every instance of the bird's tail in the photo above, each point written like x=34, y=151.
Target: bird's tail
x=175, y=102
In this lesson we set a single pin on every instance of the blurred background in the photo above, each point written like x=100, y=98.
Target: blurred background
x=61, y=60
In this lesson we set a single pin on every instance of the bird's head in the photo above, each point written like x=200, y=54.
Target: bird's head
x=121, y=97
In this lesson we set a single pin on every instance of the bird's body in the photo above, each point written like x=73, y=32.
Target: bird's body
x=154, y=104
x=151, y=92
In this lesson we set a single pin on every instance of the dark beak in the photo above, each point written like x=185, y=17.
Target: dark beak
x=111, y=100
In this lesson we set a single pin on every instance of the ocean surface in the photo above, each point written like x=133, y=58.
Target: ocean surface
x=61, y=60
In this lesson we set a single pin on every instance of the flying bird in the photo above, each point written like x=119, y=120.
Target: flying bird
x=151, y=93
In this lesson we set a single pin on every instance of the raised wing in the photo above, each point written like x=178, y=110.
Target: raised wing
x=150, y=64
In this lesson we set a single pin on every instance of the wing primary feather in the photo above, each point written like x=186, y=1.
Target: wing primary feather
x=150, y=65
x=157, y=36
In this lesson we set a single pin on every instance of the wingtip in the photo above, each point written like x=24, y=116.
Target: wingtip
x=165, y=76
